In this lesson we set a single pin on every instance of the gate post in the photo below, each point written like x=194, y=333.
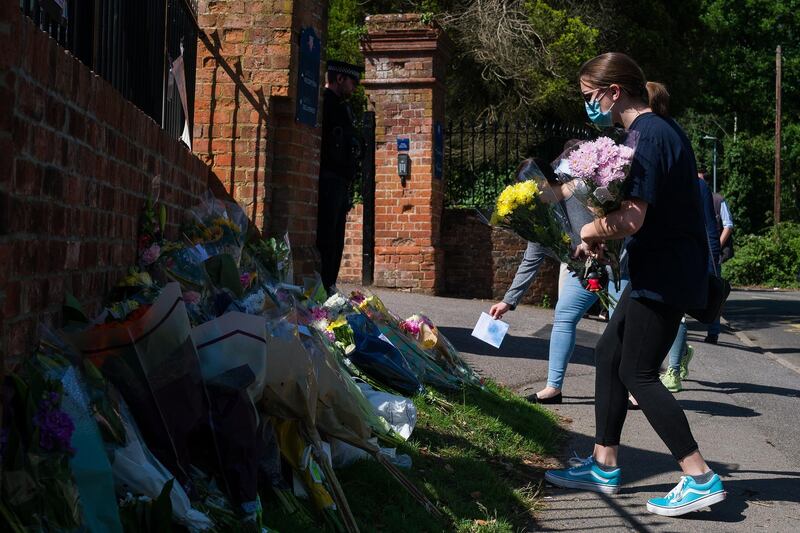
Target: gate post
x=368, y=194
x=406, y=58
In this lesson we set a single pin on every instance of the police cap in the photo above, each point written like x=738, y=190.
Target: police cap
x=340, y=67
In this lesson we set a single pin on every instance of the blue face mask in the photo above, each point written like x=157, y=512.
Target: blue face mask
x=598, y=117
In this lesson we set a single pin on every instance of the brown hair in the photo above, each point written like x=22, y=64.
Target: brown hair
x=620, y=69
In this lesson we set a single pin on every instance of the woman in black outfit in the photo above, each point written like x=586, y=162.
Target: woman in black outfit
x=667, y=262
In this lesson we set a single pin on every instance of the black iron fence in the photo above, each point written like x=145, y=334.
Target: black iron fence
x=134, y=45
x=481, y=157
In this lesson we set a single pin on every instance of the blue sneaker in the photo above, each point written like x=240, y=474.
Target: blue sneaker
x=585, y=474
x=688, y=496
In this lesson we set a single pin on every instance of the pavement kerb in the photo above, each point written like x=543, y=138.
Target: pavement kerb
x=741, y=335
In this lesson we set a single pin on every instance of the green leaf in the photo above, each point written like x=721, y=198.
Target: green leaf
x=162, y=510
x=73, y=311
x=224, y=273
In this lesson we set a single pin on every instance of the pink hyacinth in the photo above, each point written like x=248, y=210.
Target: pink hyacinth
x=151, y=254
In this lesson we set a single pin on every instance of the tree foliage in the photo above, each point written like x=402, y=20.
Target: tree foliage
x=519, y=58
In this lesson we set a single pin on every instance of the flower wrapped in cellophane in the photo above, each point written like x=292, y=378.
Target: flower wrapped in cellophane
x=533, y=209
x=595, y=172
x=447, y=357
x=528, y=209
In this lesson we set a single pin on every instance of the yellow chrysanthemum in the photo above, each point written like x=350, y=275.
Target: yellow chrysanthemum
x=339, y=322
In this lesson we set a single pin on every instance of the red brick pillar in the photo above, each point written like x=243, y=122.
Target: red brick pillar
x=245, y=128
x=406, y=59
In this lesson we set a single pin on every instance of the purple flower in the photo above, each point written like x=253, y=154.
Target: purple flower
x=331, y=335
x=150, y=255
x=319, y=313
x=357, y=297
x=55, y=426
x=191, y=297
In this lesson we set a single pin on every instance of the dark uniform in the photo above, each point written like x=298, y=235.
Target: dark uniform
x=341, y=151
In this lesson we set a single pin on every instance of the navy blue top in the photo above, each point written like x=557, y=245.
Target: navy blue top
x=712, y=231
x=668, y=256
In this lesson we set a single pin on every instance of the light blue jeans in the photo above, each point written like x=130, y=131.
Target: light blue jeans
x=678, y=348
x=573, y=302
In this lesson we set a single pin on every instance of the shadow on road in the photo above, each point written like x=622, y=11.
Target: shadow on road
x=748, y=388
x=533, y=346
x=717, y=408
x=639, y=464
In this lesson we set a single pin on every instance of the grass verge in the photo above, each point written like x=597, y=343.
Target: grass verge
x=479, y=460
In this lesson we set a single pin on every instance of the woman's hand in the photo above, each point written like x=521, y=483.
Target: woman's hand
x=499, y=309
x=586, y=249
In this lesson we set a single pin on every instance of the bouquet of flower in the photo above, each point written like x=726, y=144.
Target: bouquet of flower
x=528, y=209
x=435, y=343
x=596, y=171
x=37, y=490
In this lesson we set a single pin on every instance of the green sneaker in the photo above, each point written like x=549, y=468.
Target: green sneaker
x=672, y=380
x=685, y=361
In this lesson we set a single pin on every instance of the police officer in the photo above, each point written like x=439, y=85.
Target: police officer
x=341, y=151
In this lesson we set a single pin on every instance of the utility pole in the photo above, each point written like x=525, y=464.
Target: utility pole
x=777, y=198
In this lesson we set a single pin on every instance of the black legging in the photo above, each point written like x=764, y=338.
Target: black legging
x=628, y=357
x=334, y=203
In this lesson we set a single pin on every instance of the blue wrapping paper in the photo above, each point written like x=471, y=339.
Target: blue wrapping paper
x=90, y=467
x=379, y=359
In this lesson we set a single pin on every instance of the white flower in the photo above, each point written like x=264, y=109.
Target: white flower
x=254, y=303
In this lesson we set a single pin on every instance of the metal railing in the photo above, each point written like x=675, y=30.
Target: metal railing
x=131, y=44
x=481, y=157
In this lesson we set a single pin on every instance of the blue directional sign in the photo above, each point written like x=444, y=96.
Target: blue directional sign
x=308, y=83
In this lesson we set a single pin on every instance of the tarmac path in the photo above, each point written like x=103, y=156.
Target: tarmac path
x=742, y=401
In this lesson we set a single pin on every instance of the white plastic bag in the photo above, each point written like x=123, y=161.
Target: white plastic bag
x=399, y=412
x=137, y=471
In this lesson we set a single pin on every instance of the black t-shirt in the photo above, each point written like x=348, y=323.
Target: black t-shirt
x=667, y=257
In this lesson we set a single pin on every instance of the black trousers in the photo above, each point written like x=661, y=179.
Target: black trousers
x=332, y=208
x=628, y=357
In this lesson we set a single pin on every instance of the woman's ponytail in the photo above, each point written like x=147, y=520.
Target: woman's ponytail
x=658, y=97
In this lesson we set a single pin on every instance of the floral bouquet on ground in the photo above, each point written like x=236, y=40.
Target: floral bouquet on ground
x=422, y=328
x=596, y=171
x=37, y=490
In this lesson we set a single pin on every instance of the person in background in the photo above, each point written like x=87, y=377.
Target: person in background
x=340, y=152
x=681, y=353
x=667, y=265
x=573, y=300
x=724, y=223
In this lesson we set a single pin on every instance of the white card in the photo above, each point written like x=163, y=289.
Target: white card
x=489, y=330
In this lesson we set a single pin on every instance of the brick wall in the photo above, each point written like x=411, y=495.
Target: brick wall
x=406, y=59
x=481, y=260
x=77, y=164
x=352, y=258
x=244, y=114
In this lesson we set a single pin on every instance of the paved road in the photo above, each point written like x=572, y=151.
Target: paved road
x=769, y=319
x=742, y=405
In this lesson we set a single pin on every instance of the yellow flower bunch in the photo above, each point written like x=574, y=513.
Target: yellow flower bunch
x=339, y=322
x=224, y=222
x=516, y=195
